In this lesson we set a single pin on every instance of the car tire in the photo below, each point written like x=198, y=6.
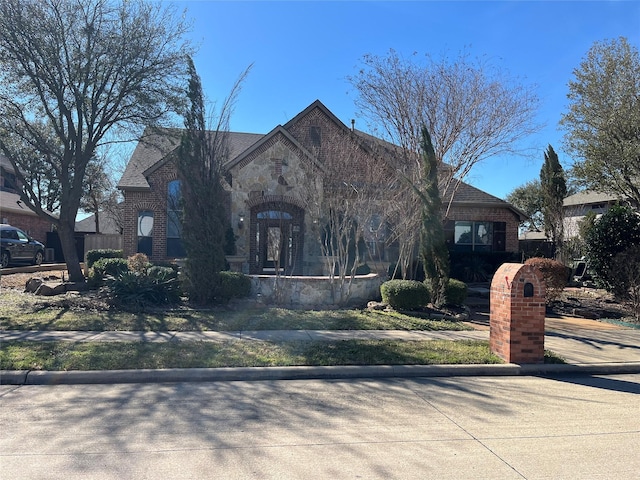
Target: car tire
x=4, y=259
x=38, y=259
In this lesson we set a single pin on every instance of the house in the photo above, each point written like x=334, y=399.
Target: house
x=269, y=178
x=576, y=207
x=13, y=211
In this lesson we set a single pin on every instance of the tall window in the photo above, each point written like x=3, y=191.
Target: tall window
x=175, y=246
x=145, y=232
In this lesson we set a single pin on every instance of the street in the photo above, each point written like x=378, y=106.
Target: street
x=454, y=427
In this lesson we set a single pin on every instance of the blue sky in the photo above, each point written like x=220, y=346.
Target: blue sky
x=302, y=51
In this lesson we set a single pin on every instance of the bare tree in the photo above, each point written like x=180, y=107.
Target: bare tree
x=83, y=69
x=347, y=206
x=472, y=109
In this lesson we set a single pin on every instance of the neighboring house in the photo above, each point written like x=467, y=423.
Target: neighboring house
x=110, y=224
x=13, y=211
x=267, y=178
x=577, y=206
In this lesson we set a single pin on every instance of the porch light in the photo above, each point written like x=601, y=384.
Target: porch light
x=241, y=221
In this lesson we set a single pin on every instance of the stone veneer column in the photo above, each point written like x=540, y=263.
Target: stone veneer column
x=517, y=314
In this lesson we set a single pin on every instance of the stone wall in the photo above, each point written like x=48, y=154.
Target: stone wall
x=308, y=291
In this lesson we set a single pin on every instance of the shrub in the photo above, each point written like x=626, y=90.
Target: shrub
x=135, y=290
x=107, y=266
x=404, y=294
x=456, y=292
x=234, y=285
x=139, y=263
x=627, y=266
x=554, y=273
x=613, y=233
x=94, y=255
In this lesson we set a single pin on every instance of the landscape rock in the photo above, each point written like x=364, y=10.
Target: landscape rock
x=32, y=285
x=376, y=306
x=48, y=290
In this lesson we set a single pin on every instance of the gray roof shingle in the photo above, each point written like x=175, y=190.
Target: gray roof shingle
x=156, y=145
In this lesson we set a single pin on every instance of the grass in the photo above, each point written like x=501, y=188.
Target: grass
x=62, y=356
x=24, y=312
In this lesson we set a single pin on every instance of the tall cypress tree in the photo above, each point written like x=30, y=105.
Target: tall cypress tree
x=554, y=189
x=204, y=218
x=433, y=247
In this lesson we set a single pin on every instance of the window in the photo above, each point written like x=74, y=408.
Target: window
x=476, y=236
x=9, y=181
x=145, y=230
x=315, y=136
x=175, y=246
x=274, y=215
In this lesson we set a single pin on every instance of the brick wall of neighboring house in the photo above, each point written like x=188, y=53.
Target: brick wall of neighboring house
x=490, y=214
x=32, y=224
x=154, y=200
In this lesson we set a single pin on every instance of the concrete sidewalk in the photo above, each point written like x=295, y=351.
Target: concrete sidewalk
x=587, y=346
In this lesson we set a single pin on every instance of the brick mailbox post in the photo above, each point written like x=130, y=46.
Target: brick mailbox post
x=517, y=314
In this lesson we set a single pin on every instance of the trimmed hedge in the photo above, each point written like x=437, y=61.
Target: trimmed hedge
x=94, y=255
x=456, y=292
x=404, y=294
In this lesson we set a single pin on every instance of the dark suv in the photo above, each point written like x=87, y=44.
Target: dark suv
x=18, y=247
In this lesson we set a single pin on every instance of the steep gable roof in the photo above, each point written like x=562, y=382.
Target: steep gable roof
x=319, y=106
x=248, y=154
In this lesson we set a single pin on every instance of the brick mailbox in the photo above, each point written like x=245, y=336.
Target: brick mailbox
x=517, y=314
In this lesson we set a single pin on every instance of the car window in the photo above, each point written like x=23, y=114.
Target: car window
x=10, y=234
x=22, y=236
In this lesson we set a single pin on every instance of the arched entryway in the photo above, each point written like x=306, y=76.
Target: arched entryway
x=277, y=238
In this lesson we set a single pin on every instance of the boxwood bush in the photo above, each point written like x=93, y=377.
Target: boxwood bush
x=94, y=255
x=456, y=292
x=404, y=294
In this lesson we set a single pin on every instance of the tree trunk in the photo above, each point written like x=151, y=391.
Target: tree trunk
x=68, y=243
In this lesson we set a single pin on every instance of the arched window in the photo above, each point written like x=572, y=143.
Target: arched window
x=145, y=232
x=175, y=247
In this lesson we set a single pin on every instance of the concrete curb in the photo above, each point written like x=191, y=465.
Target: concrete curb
x=39, y=377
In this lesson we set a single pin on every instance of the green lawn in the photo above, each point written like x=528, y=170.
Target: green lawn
x=64, y=356
x=26, y=312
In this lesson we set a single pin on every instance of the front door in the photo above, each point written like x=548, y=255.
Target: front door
x=278, y=240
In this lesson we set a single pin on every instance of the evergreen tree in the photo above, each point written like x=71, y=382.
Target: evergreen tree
x=433, y=247
x=204, y=219
x=553, y=190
